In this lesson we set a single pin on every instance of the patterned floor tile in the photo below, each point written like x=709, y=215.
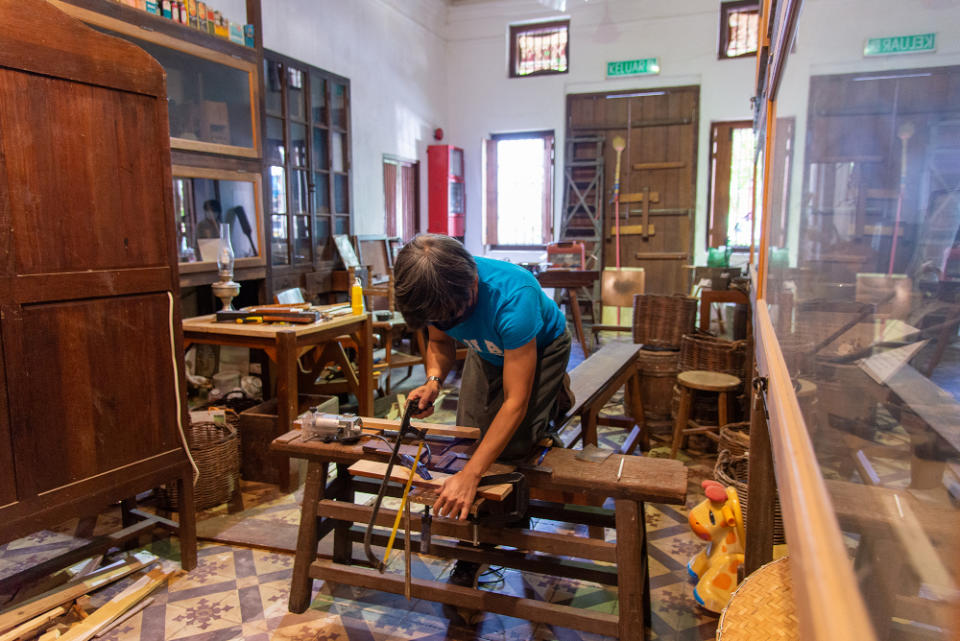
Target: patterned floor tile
x=203, y=614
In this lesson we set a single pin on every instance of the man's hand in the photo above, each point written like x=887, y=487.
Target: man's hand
x=426, y=394
x=457, y=495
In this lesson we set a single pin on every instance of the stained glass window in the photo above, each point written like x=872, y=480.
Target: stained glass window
x=739, y=29
x=538, y=49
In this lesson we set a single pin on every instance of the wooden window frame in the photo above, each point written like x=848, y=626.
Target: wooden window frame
x=726, y=8
x=717, y=178
x=518, y=29
x=491, y=211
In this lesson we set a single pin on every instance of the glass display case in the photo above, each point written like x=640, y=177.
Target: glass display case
x=205, y=199
x=861, y=305
x=307, y=162
x=212, y=96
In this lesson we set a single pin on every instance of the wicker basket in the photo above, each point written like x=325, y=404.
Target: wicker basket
x=763, y=608
x=735, y=438
x=661, y=321
x=703, y=351
x=732, y=470
x=216, y=451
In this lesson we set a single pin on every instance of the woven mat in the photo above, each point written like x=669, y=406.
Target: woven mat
x=762, y=608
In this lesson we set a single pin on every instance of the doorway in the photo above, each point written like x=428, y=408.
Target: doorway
x=401, y=197
x=657, y=177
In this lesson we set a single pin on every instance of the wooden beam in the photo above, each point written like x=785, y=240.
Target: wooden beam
x=529, y=609
x=456, y=431
x=670, y=164
x=637, y=230
x=638, y=197
x=661, y=255
x=26, y=630
x=400, y=474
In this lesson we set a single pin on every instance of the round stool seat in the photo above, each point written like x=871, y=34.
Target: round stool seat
x=708, y=381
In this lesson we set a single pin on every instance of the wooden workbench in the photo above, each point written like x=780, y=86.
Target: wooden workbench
x=558, y=484
x=284, y=345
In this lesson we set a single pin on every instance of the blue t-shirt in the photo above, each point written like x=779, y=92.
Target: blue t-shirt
x=511, y=311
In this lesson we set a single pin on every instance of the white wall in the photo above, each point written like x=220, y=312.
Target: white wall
x=482, y=99
x=393, y=53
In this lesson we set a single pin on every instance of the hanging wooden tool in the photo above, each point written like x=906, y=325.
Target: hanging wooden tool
x=619, y=144
x=904, y=133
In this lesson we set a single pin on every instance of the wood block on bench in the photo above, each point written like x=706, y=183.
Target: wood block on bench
x=594, y=381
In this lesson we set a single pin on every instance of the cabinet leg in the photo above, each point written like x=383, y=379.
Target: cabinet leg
x=187, y=516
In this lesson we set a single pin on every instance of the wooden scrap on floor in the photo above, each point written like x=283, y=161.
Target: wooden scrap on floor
x=30, y=628
x=16, y=615
x=116, y=606
x=400, y=474
x=129, y=614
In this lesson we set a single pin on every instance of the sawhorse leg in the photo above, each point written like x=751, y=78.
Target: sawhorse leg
x=633, y=584
x=342, y=545
x=301, y=585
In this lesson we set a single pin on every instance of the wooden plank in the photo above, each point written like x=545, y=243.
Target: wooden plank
x=669, y=164
x=116, y=607
x=643, y=479
x=400, y=474
x=638, y=197
x=25, y=630
x=456, y=431
x=661, y=256
x=529, y=609
x=637, y=230
x=44, y=602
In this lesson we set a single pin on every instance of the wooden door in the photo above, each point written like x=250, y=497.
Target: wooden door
x=657, y=177
x=401, y=197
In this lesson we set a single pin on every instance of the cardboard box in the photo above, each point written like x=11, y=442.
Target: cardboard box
x=214, y=122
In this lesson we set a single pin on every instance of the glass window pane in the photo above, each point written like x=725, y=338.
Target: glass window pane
x=273, y=87
x=339, y=106
x=318, y=99
x=279, y=238
x=276, y=153
x=540, y=49
x=299, y=196
x=456, y=162
x=320, y=149
x=323, y=232
x=298, y=145
x=338, y=151
x=207, y=101
x=295, y=94
x=341, y=198
x=301, y=239
x=321, y=193
x=202, y=205
x=342, y=225
x=278, y=190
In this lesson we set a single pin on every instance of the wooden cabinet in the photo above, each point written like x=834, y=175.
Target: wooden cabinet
x=307, y=170
x=92, y=375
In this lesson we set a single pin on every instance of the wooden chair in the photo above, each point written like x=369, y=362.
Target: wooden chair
x=617, y=287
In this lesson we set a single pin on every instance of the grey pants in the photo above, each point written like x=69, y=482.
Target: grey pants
x=481, y=395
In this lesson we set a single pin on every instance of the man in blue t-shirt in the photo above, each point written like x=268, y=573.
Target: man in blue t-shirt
x=519, y=348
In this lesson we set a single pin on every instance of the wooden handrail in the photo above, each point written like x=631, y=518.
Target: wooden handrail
x=828, y=600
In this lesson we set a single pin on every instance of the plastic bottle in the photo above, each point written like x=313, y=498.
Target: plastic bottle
x=356, y=297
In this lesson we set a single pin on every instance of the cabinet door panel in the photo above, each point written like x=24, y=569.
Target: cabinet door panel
x=90, y=395
x=86, y=196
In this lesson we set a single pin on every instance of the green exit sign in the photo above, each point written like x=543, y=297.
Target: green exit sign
x=641, y=67
x=900, y=44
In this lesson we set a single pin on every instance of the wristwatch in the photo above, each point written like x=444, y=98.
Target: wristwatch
x=435, y=378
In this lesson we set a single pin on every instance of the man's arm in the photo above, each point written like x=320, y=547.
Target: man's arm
x=438, y=361
x=459, y=490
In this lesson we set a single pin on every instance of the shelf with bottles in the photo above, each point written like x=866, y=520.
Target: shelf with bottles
x=212, y=84
x=205, y=202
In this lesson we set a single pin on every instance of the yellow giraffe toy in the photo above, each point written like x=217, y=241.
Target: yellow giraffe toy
x=719, y=520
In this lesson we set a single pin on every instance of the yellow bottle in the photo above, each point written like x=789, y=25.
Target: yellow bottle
x=356, y=298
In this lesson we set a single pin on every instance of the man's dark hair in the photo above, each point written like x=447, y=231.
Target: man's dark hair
x=434, y=277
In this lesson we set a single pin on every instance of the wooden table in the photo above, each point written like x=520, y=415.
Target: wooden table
x=557, y=484
x=284, y=345
x=571, y=279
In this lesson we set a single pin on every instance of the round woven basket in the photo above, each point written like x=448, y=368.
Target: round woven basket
x=762, y=608
x=732, y=470
x=216, y=451
x=735, y=438
x=661, y=321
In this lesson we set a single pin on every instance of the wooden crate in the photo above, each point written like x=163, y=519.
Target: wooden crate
x=258, y=427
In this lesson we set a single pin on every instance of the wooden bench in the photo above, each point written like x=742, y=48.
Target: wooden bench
x=594, y=382
x=557, y=486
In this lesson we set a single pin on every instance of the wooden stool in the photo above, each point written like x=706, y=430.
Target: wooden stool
x=703, y=381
